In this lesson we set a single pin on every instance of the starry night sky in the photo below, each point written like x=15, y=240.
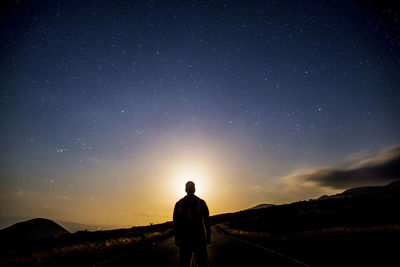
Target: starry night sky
x=103, y=102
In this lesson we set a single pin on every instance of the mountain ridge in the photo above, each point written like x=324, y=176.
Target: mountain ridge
x=365, y=190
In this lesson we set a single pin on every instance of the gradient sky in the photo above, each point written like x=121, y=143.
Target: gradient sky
x=109, y=107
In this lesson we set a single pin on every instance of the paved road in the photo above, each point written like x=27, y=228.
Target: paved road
x=223, y=251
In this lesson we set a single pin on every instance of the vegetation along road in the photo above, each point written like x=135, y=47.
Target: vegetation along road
x=224, y=250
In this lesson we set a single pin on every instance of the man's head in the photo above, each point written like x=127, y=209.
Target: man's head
x=190, y=189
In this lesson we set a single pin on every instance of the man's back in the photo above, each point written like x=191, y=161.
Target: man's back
x=191, y=221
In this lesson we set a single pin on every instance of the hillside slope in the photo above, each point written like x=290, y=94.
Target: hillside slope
x=31, y=230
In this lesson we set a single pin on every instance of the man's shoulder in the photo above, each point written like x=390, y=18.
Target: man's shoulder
x=179, y=201
x=201, y=201
x=190, y=198
x=182, y=200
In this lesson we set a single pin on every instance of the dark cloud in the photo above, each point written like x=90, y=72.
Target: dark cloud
x=383, y=168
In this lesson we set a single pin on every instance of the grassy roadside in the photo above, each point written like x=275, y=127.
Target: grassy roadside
x=83, y=248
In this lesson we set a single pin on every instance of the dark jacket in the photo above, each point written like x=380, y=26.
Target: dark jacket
x=191, y=221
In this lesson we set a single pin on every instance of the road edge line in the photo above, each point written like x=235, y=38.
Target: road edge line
x=261, y=247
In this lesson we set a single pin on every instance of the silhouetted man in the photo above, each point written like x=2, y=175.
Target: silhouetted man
x=192, y=228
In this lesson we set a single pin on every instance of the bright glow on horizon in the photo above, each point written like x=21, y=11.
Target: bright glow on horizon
x=143, y=187
x=195, y=175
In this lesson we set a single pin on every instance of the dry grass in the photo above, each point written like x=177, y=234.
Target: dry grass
x=247, y=234
x=80, y=249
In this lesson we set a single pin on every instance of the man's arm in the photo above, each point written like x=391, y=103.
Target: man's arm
x=176, y=225
x=207, y=223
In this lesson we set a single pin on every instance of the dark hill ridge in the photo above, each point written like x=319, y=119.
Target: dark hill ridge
x=366, y=206
x=32, y=230
x=71, y=227
x=262, y=206
x=359, y=227
x=389, y=189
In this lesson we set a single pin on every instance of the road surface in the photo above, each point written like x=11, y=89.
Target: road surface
x=223, y=251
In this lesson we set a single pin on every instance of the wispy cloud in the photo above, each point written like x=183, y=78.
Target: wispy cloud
x=380, y=169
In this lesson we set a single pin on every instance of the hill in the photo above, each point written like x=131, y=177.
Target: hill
x=262, y=206
x=389, y=189
x=8, y=221
x=71, y=227
x=31, y=230
x=358, y=227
